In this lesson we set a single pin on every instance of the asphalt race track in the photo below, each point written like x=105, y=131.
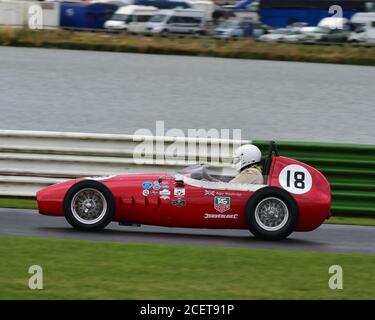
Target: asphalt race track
x=337, y=238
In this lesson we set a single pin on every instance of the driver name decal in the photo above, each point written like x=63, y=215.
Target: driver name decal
x=222, y=204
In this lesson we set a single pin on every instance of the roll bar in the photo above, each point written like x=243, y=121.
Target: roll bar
x=272, y=150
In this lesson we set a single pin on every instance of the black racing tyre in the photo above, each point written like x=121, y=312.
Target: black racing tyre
x=89, y=206
x=271, y=213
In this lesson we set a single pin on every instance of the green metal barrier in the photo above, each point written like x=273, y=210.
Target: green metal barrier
x=349, y=168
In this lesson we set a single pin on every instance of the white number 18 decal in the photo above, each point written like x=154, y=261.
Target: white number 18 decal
x=295, y=179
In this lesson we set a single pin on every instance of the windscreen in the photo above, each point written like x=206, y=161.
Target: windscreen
x=158, y=18
x=119, y=17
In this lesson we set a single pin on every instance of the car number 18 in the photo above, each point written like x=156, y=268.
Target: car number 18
x=295, y=179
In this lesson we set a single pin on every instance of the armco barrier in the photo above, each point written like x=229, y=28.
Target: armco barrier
x=30, y=160
x=349, y=168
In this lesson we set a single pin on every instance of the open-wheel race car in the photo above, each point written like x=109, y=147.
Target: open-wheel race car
x=293, y=197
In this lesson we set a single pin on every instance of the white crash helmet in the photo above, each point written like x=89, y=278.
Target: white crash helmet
x=245, y=155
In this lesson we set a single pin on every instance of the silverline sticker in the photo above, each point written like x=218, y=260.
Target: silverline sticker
x=220, y=216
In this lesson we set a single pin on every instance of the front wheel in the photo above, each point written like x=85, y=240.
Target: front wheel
x=271, y=214
x=89, y=206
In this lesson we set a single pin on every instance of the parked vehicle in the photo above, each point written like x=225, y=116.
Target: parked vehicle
x=314, y=34
x=182, y=21
x=131, y=18
x=279, y=35
x=207, y=6
x=363, y=24
x=329, y=29
x=294, y=36
x=234, y=28
x=293, y=197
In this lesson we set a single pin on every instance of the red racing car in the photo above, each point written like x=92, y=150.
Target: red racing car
x=294, y=197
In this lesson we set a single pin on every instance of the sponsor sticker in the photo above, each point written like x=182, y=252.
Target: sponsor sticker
x=179, y=192
x=209, y=192
x=165, y=192
x=220, y=216
x=221, y=204
x=156, y=187
x=179, y=203
x=165, y=197
x=145, y=192
x=147, y=185
x=165, y=186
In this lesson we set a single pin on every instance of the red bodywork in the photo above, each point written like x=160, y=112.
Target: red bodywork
x=196, y=207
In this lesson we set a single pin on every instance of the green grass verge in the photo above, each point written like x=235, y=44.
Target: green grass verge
x=100, y=270
x=244, y=49
x=18, y=203
x=21, y=203
x=361, y=221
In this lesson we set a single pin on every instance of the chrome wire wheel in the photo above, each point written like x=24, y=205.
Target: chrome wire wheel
x=271, y=214
x=89, y=206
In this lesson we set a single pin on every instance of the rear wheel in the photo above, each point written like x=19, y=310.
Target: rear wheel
x=89, y=206
x=271, y=213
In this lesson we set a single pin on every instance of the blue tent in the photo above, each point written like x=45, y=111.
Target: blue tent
x=84, y=15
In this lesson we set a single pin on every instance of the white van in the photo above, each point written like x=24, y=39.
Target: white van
x=363, y=24
x=130, y=18
x=183, y=21
x=207, y=6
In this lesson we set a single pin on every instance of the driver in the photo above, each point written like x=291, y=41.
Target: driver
x=246, y=160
